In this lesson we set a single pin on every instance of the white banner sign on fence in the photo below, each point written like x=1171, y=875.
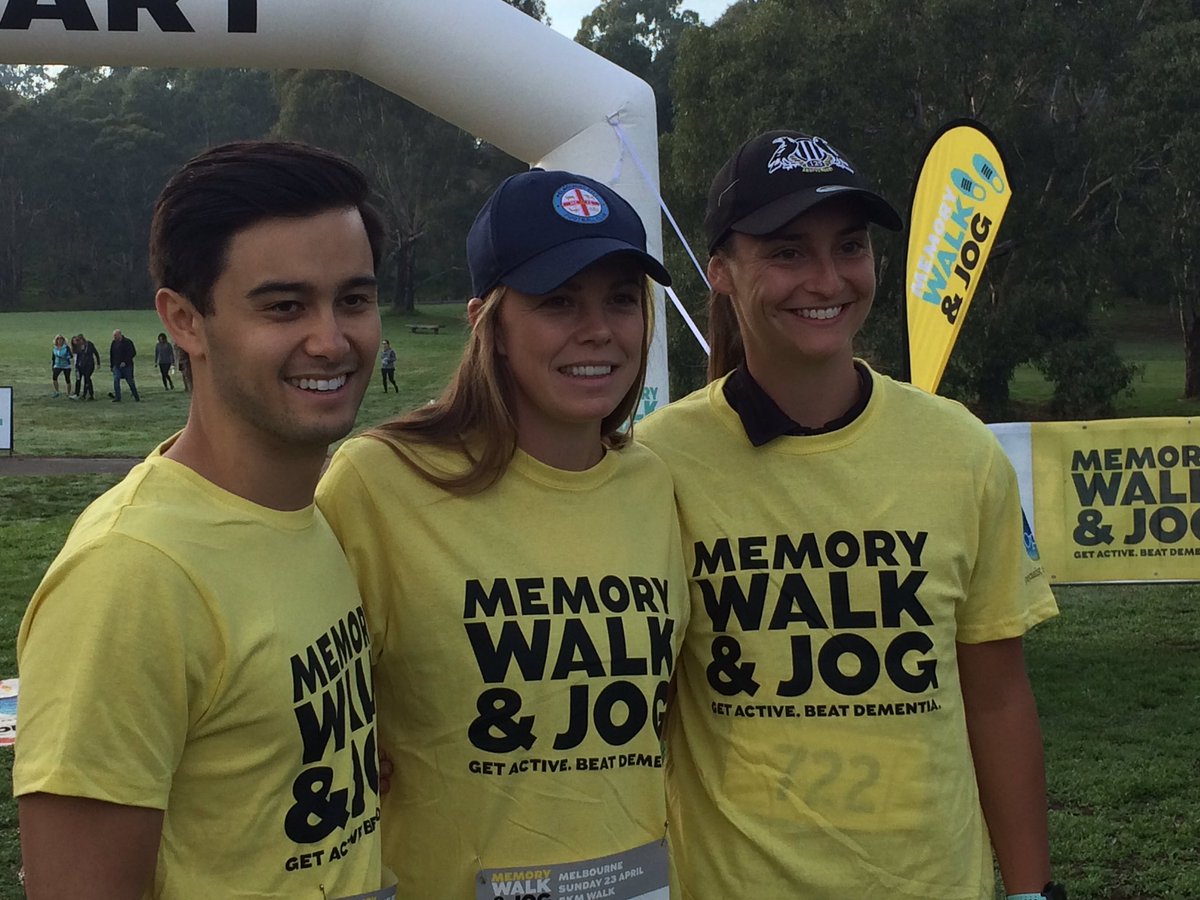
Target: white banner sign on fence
x=6, y=437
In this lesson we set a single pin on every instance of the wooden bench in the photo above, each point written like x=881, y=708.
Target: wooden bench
x=425, y=329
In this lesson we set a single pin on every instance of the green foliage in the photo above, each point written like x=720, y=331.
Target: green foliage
x=642, y=37
x=1160, y=185
x=24, y=81
x=82, y=163
x=430, y=177
x=1088, y=376
x=534, y=8
x=1147, y=341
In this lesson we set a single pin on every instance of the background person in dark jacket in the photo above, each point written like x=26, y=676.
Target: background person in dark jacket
x=164, y=358
x=87, y=357
x=120, y=357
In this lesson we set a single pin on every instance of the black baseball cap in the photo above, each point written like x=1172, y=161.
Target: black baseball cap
x=540, y=228
x=779, y=175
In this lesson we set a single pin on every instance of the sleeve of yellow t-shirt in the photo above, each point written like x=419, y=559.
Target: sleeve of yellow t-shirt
x=117, y=658
x=1008, y=593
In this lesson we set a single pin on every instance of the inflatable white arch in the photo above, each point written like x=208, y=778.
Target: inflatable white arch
x=479, y=64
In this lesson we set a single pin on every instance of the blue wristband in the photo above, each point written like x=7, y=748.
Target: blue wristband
x=1037, y=896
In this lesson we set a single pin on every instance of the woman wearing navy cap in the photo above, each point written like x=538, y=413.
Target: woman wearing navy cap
x=853, y=717
x=520, y=562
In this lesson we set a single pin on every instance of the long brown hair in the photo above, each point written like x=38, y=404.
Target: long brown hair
x=725, y=349
x=726, y=352
x=474, y=415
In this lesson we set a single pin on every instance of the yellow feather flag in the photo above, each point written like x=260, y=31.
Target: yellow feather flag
x=960, y=196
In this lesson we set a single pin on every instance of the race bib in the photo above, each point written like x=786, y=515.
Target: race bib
x=637, y=874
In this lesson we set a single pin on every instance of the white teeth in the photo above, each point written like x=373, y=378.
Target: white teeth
x=587, y=371
x=825, y=312
x=318, y=384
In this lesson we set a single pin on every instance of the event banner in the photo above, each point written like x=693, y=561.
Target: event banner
x=1117, y=500
x=959, y=198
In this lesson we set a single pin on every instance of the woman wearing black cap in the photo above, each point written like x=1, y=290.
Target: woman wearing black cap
x=853, y=703
x=520, y=562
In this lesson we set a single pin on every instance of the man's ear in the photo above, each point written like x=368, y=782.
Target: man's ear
x=718, y=274
x=181, y=320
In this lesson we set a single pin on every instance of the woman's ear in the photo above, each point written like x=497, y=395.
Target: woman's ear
x=474, y=311
x=718, y=274
x=474, y=308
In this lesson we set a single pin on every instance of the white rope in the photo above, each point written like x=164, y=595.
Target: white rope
x=614, y=121
x=692, y=325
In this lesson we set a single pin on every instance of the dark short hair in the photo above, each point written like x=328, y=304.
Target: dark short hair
x=230, y=188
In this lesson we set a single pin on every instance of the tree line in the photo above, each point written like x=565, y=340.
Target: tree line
x=1093, y=104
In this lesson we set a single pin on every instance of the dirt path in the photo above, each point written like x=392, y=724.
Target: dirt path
x=63, y=465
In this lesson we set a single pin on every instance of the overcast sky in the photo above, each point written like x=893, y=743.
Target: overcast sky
x=565, y=15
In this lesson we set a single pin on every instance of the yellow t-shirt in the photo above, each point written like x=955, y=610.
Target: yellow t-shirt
x=193, y=652
x=523, y=638
x=820, y=748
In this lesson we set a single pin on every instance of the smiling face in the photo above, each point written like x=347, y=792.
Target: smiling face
x=801, y=293
x=573, y=354
x=283, y=358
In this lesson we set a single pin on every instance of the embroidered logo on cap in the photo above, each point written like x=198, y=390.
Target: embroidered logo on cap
x=578, y=203
x=806, y=154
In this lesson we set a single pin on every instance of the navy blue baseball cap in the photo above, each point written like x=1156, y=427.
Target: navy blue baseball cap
x=540, y=228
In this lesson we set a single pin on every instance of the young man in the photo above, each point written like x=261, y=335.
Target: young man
x=852, y=705
x=210, y=731
x=120, y=359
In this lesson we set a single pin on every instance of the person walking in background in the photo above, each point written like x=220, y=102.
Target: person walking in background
x=184, y=363
x=870, y=602
x=60, y=362
x=387, y=361
x=164, y=357
x=120, y=358
x=77, y=359
x=87, y=357
x=187, y=744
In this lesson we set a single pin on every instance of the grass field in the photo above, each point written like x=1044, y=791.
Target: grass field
x=1117, y=675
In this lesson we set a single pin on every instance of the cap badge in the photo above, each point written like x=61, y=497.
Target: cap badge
x=806, y=154
x=578, y=203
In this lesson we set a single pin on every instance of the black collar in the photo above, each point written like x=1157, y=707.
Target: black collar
x=764, y=421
